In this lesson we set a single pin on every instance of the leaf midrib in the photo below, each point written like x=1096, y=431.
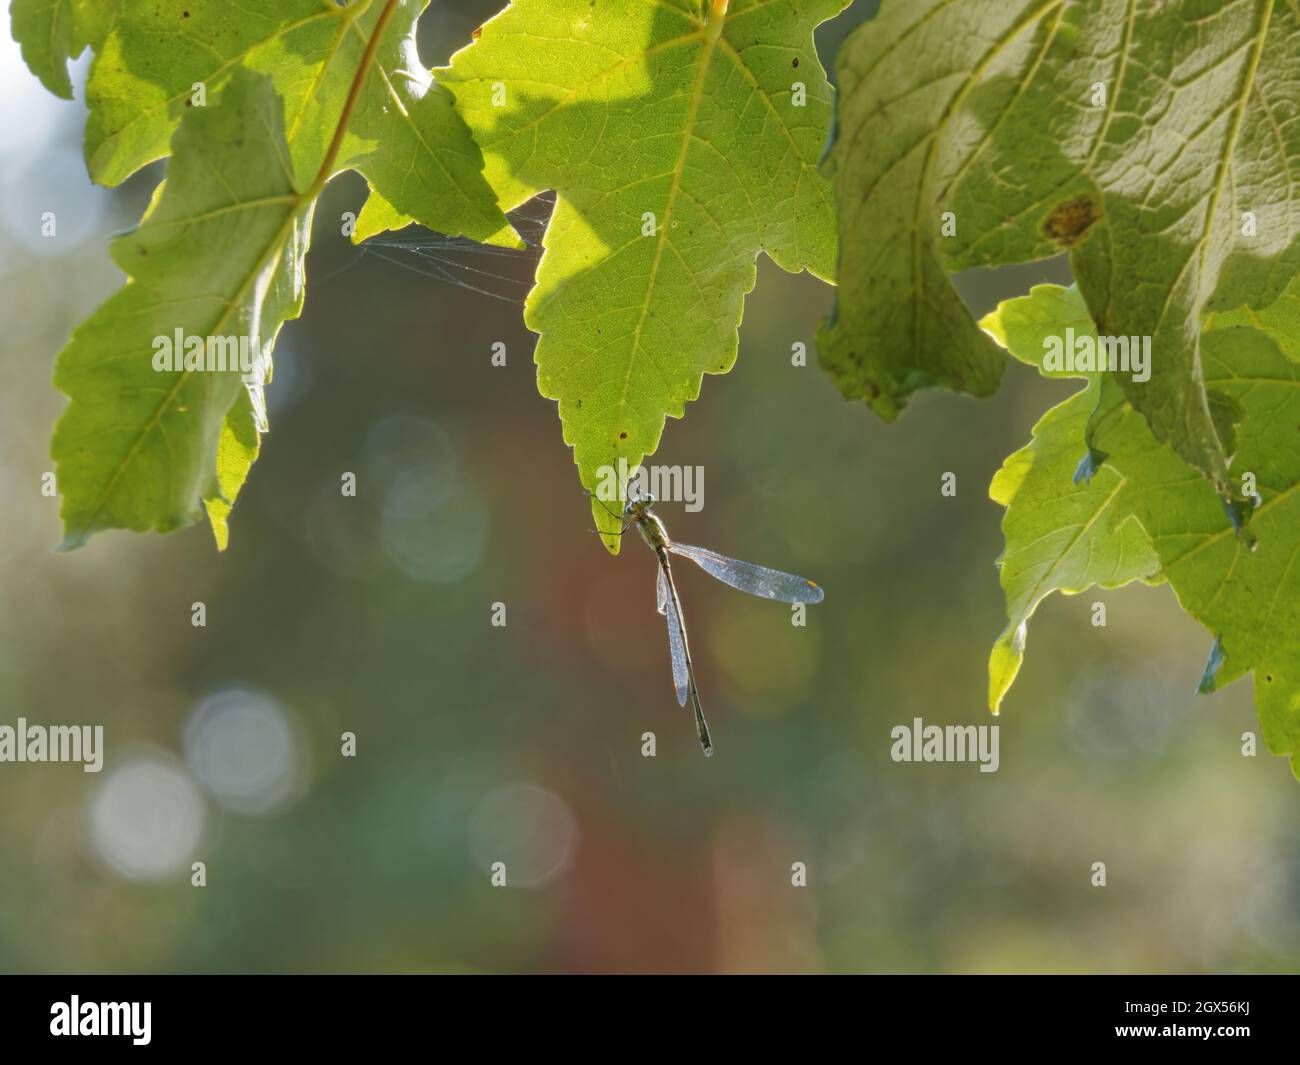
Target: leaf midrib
x=664, y=225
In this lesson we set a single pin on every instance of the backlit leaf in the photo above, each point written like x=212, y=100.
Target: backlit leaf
x=682, y=139
x=1244, y=588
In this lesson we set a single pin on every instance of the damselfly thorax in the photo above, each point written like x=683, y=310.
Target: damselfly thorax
x=652, y=530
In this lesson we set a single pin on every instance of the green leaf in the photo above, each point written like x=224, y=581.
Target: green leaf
x=403, y=133
x=52, y=32
x=1136, y=138
x=220, y=252
x=664, y=119
x=905, y=80
x=378, y=216
x=219, y=255
x=237, y=450
x=1174, y=189
x=1059, y=537
x=144, y=77
x=1245, y=590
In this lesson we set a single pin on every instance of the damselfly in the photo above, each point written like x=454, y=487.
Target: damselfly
x=756, y=580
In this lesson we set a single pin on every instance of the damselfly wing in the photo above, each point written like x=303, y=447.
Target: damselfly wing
x=747, y=577
x=676, y=645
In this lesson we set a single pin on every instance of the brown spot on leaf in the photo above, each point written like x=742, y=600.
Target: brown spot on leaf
x=1070, y=221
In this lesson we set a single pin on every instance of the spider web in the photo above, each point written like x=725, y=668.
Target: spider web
x=458, y=261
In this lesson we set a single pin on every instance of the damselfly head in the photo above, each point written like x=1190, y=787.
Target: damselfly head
x=638, y=503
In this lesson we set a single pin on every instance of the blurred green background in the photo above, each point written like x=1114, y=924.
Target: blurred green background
x=522, y=744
